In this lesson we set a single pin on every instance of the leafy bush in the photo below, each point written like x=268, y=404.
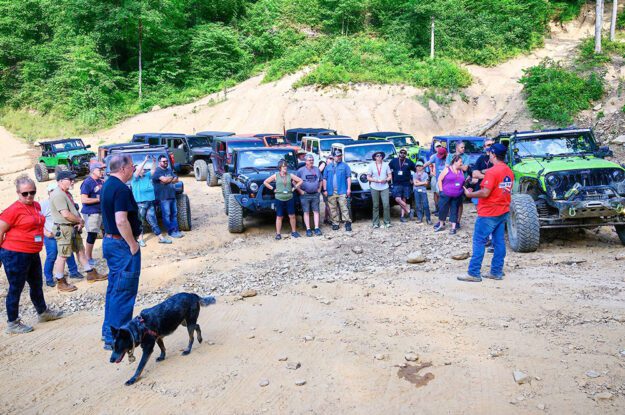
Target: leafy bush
x=556, y=94
x=588, y=59
x=295, y=58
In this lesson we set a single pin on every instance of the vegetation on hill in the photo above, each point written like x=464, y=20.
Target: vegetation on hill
x=69, y=66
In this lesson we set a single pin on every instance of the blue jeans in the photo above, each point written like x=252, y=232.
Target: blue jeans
x=449, y=205
x=51, y=254
x=147, y=211
x=123, y=284
x=485, y=226
x=21, y=268
x=421, y=204
x=169, y=210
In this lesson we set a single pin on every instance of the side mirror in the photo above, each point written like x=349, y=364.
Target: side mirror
x=604, y=151
x=88, y=146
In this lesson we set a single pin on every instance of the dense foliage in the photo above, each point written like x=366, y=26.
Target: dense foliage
x=78, y=60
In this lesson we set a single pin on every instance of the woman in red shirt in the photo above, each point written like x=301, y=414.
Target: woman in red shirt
x=21, y=240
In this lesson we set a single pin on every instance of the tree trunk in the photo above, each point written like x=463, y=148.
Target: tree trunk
x=140, y=59
x=432, y=40
x=598, y=24
x=613, y=21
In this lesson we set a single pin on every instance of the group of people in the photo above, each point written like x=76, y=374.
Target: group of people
x=108, y=207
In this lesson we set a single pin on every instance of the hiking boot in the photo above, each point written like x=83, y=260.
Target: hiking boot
x=64, y=286
x=93, y=276
x=50, y=315
x=77, y=276
x=17, y=327
x=348, y=226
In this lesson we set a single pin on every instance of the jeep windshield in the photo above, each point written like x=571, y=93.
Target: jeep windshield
x=258, y=159
x=198, y=142
x=365, y=152
x=244, y=144
x=401, y=141
x=276, y=140
x=326, y=145
x=554, y=145
x=69, y=145
x=470, y=147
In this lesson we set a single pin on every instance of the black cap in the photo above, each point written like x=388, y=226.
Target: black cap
x=62, y=175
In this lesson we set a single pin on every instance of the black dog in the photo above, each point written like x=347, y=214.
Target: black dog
x=152, y=324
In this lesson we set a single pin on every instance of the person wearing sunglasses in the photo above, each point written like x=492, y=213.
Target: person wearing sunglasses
x=379, y=175
x=402, y=168
x=21, y=240
x=164, y=179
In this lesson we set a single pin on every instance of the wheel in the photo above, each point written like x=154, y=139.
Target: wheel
x=620, y=231
x=200, y=168
x=184, y=212
x=235, y=217
x=211, y=176
x=41, y=172
x=225, y=190
x=523, y=224
x=185, y=170
x=61, y=167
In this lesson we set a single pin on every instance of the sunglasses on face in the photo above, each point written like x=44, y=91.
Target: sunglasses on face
x=30, y=193
x=487, y=145
x=378, y=155
x=402, y=153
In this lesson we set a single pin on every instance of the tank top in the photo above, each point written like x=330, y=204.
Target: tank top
x=452, y=183
x=284, y=191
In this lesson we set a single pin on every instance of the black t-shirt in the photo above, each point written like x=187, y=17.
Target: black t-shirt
x=115, y=196
x=401, y=171
x=163, y=191
x=481, y=164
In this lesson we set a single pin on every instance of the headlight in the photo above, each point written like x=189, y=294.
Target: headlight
x=363, y=178
x=618, y=175
x=253, y=187
x=553, y=180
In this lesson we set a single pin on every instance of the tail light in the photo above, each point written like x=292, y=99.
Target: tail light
x=171, y=159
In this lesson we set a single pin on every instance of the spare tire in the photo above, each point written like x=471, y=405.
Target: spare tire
x=523, y=224
x=211, y=176
x=235, y=217
x=41, y=172
x=184, y=212
x=200, y=168
x=226, y=191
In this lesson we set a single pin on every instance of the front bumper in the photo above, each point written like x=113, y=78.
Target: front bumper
x=263, y=202
x=586, y=213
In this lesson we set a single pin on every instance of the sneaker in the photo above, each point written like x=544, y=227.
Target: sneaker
x=278, y=237
x=348, y=226
x=51, y=283
x=492, y=277
x=335, y=227
x=108, y=346
x=141, y=243
x=308, y=233
x=295, y=234
x=402, y=219
x=452, y=231
x=387, y=225
x=50, y=315
x=458, y=225
x=95, y=276
x=164, y=240
x=429, y=222
x=176, y=235
x=77, y=276
x=411, y=214
x=17, y=327
x=469, y=278
x=376, y=225
x=318, y=232
x=438, y=227
x=490, y=250
x=92, y=262
x=64, y=286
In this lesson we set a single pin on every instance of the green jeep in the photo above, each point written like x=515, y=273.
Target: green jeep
x=561, y=180
x=67, y=154
x=399, y=140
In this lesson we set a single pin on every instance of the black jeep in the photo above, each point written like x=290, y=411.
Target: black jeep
x=242, y=184
x=222, y=152
x=138, y=155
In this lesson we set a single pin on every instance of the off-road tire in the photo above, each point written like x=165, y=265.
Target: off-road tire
x=59, y=168
x=235, y=216
x=41, y=172
x=620, y=231
x=523, y=224
x=226, y=191
x=184, y=212
x=200, y=168
x=211, y=177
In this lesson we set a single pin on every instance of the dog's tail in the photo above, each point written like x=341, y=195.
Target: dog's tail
x=206, y=301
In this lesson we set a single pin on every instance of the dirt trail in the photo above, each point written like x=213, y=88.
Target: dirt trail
x=349, y=319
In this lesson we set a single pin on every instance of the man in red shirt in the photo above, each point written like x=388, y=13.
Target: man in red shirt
x=493, y=208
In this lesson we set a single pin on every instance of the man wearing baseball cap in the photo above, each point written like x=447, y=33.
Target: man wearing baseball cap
x=90, y=199
x=493, y=209
x=337, y=183
x=67, y=228
x=401, y=168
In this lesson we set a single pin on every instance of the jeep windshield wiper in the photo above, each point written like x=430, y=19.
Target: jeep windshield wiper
x=251, y=168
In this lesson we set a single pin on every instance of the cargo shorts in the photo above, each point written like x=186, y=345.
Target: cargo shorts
x=68, y=240
x=93, y=222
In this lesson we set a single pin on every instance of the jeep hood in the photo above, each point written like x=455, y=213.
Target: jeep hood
x=74, y=153
x=201, y=150
x=531, y=167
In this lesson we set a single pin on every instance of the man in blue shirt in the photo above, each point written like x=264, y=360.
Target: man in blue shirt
x=90, y=198
x=337, y=183
x=143, y=191
x=165, y=192
x=402, y=182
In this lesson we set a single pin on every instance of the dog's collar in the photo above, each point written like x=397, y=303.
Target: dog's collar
x=146, y=329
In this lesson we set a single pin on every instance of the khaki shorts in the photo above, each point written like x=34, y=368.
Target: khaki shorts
x=68, y=241
x=434, y=184
x=93, y=222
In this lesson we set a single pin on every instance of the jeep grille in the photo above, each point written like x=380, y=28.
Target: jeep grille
x=589, y=179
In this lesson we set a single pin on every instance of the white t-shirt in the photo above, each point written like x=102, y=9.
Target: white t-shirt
x=379, y=173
